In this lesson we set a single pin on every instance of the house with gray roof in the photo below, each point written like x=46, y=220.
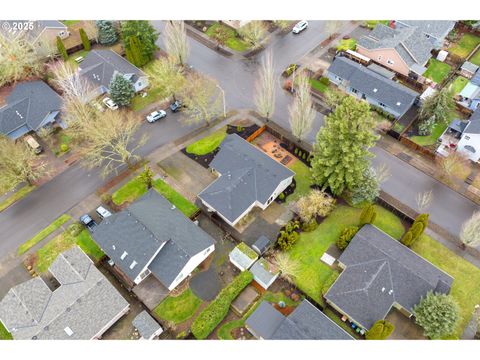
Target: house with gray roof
x=148, y=328
x=306, y=322
x=379, y=274
x=30, y=106
x=35, y=31
x=365, y=84
x=468, y=69
x=83, y=307
x=247, y=178
x=469, y=143
x=406, y=50
x=100, y=66
x=153, y=238
x=434, y=30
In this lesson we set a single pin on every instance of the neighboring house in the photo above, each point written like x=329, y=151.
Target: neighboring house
x=37, y=32
x=236, y=24
x=30, y=106
x=100, y=66
x=405, y=51
x=83, y=307
x=434, y=30
x=242, y=256
x=247, y=178
x=263, y=273
x=148, y=328
x=368, y=85
x=380, y=273
x=468, y=69
x=470, y=95
x=306, y=322
x=152, y=237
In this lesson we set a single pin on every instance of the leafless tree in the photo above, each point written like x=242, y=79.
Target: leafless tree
x=91, y=29
x=176, y=41
x=69, y=82
x=167, y=75
x=382, y=173
x=332, y=27
x=424, y=200
x=265, y=87
x=253, y=33
x=283, y=24
x=316, y=202
x=454, y=166
x=470, y=233
x=301, y=110
x=288, y=267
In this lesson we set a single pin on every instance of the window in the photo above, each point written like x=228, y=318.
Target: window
x=390, y=62
x=380, y=57
x=466, y=137
x=145, y=274
x=382, y=104
x=355, y=91
x=206, y=251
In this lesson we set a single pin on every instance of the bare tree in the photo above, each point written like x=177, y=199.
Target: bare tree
x=176, y=41
x=332, y=27
x=18, y=164
x=301, y=110
x=167, y=75
x=69, y=82
x=423, y=200
x=253, y=33
x=91, y=29
x=382, y=173
x=470, y=233
x=283, y=24
x=316, y=202
x=288, y=267
x=202, y=99
x=265, y=87
x=454, y=166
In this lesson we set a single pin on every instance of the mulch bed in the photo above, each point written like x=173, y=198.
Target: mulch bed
x=203, y=160
x=242, y=131
x=288, y=191
x=291, y=150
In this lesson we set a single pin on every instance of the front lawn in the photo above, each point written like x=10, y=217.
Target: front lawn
x=233, y=41
x=45, y=256
x=207, y=144
x=431, y=139
x=178, y=308
x=153, y=95
x=465, y=46
x=437, y=70
x=311, y=246
x=130, y=191
x=69, y=22
x=4, y=334
x=302, y=177
x=475, y=59
x=17, y=195
x=347, y=44
x=372, y=23
x=43, y=234
x=458, y=84
x=319, y=85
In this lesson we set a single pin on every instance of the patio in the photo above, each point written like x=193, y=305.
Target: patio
x=405, y=328
x=271, y=146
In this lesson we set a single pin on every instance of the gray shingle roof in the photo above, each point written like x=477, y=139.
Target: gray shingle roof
x=261, y=245
x=473, y=126
x=85, y=302
x=375, y=86
x=436, y=28
x=475, y=80
x=468, y=66
x=247, y=175
x=262, y=272
x=100, y=66
x=146, y=325
x=410, y=43
x=306, y=322
x=142, y=229
x=38, y=26
x=26, y=108
x=380, y=271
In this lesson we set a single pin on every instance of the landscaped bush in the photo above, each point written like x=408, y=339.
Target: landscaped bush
x=346, y=236
x=381, y=330
x=281, y=196
x=368, y=215
x=64, y=148
x=310, y=225
x=75, y=229
x=289, y=235
x=216, y=311
x=324, y=81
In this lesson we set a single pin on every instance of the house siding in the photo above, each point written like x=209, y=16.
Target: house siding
x=474, y=141
x=382, y=56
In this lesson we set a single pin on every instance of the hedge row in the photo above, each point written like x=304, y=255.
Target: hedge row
x=216, y=311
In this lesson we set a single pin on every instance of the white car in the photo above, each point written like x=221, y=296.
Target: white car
x=300, y=26
x=110, y=104
x=102, y=212
x=156, y=115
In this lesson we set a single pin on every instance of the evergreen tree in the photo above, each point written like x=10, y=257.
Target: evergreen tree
x=135, y=52
x=407, y=239
x=107, y=35
x=416, y=230
x=85, y=41
x=367, y=190
x=147, y=177
x=61, y=48
x=146, y=34
x=341, y=156
x=368, y=215
x=381, y=330
x=121, y=90
x=438, y=107
x=346, y=236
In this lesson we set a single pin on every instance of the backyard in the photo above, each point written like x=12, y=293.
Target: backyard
x=4, y=334
x=303, y=179
x=233, y=40
x=437, y=70
x=207, y=144
x=180, y=308
x=320, y=85
x=475, y=59
x=458, y=84
x=438, y=129
x=465, y=46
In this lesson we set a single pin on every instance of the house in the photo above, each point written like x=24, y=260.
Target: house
x=242, y=256
x=100, y=66
x=263, y=273
x=247, y=178
x=368, y=85
x=261, y=245
x=148, y=328
x=434, y=30
x=306, y=322
x=380, y=273
x=236, y=24
x=470, y=94
x=405, y=51
x=153, y=238
x=468, y=69
x=83, y=307
x=37, y=32
x=30, y=106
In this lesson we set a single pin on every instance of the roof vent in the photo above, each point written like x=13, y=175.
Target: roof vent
x=383, y=289
x=390, y=292
x=399, y=103
x=124, y=255
x=132, y=265
x=68, y=331
x=113, y=247
x=173, y=207
x=375, y=90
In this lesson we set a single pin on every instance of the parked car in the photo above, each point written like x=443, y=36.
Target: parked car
x=176, y=106
x=88, y=221
x=110, y=104
x=156, y=115
x=299, y=27
x=102, y=212
x=33, y=144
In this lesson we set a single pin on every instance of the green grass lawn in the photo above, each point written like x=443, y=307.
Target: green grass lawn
x=208, y=143
x=347, y=44
x=458, y=84
x=178, y=308
x=465, y=289
x=318, y=85
x=437, y=70
x=465, y=46
x=437, y=131
x=136, y=188
x=303, y=179
x=475, y=59
x=372, y=23
x=4, y=334
x=43, y=234
x=69, y=22
x=153, y=95
x=233, y=41
x=71, y=58
x=17, y=195
x=48, y=253
x=310, y=247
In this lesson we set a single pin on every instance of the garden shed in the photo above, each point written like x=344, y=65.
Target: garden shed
x=242, y=256
x=263, y=273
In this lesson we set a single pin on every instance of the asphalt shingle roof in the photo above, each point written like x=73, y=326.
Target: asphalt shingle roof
x=146, y=325
x=375, y=86
x=38, y=26
x=473, y=126
x=436, y=28
x=85, y=302
x=26, y=108
x=247, y=175
x=379, y=272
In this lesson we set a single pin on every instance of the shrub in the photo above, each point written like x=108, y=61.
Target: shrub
x=64, y=148
x=75, y=229
x=181, y=335
x=368, y=215
x=381, y=330
x=416, y=230
x=346, y=236
x=324, y=81
x=315, y=203
x=85, y=40
x=295, y=151
x=281, y=196
x=287, y=239
x=304, y=156
x=216, y=311
x=61, y=48
x=310, y=225
x=106, y=198
x=407, y=239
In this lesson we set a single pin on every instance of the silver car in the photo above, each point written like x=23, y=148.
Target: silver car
x=156, y=115
x=102, y=212
x=300, y=26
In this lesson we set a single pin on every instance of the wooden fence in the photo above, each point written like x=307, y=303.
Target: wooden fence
x=412, y=145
